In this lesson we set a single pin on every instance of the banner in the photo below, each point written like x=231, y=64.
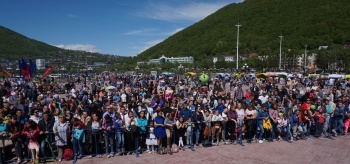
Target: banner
x=32, y=66
x=22, y=67
x=8, y=73
x=47, y=72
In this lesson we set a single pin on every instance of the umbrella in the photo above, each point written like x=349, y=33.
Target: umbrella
x=110, y=87
x=190, y=74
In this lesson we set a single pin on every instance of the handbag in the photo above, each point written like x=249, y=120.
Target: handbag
x=267, y=124
x=5, y=142
x=174, y=148
x=133, y=128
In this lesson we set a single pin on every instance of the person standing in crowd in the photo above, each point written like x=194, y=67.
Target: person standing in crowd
x=159, y=130
x=142, y=123
x=45, y=127
x=61, y=132
x=14, y=130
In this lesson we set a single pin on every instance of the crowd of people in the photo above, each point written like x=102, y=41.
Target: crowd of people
x=133, y=114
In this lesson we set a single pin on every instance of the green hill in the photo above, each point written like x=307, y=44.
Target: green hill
x=14, y=46
x=312, y=22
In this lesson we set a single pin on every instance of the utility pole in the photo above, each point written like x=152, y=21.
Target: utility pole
x=238, y=25
x=305, y=57
x=279, y=66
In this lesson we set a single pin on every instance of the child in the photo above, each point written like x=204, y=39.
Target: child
x=78, y=137
x=321, y=118
x=216, y=120
x=108, y=127
x=32, y=133
x=119, y=127
x=181, y=129
x=151, y=138
x=189, y=128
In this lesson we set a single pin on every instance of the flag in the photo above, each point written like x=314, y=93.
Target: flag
x=28, y=71
x=8, y=73
x=21, y=66
x=47, y=72
x=32, y=67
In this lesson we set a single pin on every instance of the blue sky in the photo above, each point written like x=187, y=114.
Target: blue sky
x=118, y=27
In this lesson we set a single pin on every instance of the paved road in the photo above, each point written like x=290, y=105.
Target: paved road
x=311, y=151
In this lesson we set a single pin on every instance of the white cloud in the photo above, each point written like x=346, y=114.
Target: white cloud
x=80, y=47
x=193, y=11
x=139, y=32
x=72, y=16
x=176, y=31
x=148, y=45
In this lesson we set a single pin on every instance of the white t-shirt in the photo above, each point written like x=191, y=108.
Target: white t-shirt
x=263, y=98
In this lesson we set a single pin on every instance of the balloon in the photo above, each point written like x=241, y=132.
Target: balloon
x=204, y=78
x=313, y=107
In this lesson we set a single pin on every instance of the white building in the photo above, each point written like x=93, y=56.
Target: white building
x=230, y=58
x=164, y=59
x=310, y=60
x=40, y=64
x=215, y=59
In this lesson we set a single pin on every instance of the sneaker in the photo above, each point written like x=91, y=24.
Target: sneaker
x=149, y=152
x=217, y=143
x=108, y=156
x=291, y=140
x=99, y=156
x=335, y=132
x=112, y=155
x=261, y=141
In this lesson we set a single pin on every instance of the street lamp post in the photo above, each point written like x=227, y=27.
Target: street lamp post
x=238, y=25
x=245, y=67
x=305, y=57
x=279, y=66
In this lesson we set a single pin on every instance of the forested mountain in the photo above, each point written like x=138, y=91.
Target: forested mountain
x=14, y=46
x=302, y=22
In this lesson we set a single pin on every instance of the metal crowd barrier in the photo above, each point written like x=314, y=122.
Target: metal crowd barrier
x=237, y=131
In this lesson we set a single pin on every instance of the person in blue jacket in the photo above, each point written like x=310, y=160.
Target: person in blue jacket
x=262, y=114
x=185, y=112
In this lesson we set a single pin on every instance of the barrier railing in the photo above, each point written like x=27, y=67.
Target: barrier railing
x=228, y=131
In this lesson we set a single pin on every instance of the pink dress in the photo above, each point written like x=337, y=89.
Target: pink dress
x=33, y=141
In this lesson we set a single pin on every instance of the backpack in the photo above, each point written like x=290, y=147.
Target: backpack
x=174, y=148
x=267, y=124
x=68, y=154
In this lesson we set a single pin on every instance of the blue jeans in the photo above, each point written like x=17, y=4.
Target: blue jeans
x=78, y=144
x=327, y=123
x=260, y=125
x=285, y=129
x=43, y=147
x=189, y=135
x=120, y=140
x=198, y=132
x=339, y=125
x=306, y=128
x=109, y=143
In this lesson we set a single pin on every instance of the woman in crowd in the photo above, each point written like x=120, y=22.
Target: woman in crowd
x=61, y=129
x=160, y=130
